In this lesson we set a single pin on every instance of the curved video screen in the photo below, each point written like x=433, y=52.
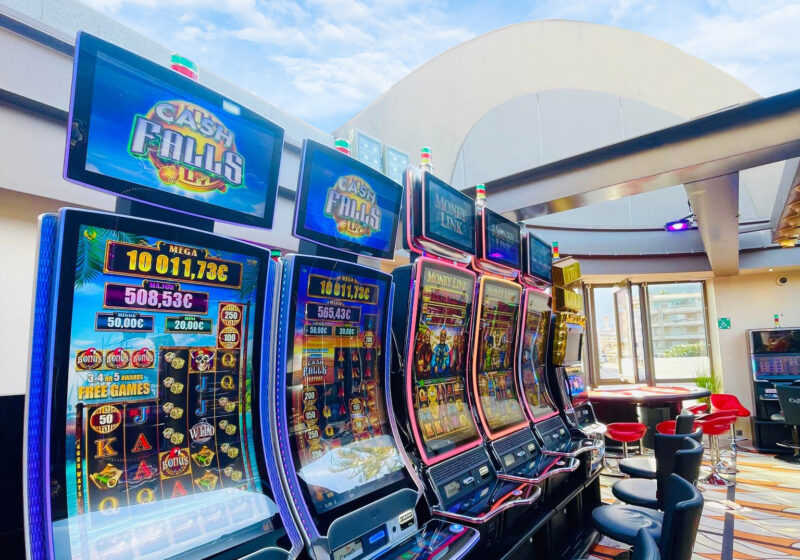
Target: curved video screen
x=496, y=335
x=157, y=349
x=338, y=424
x=532, y=359
x=439, y=358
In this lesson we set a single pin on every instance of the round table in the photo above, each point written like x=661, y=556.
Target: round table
x=641, y=403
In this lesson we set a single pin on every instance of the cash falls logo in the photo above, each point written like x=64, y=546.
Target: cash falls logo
x=351, y=203
x=189, y=147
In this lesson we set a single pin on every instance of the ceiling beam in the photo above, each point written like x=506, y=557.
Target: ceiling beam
x=715, y=203
x=744, y=136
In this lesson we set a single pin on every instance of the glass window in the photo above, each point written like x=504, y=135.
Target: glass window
x=678, y=330
x=605, y=324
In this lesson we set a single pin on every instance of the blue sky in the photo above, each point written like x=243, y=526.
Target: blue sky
x=325, y=60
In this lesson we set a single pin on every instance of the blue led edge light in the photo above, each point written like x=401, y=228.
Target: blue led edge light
x=307, y=524
x=266, y=439
x=37, y=429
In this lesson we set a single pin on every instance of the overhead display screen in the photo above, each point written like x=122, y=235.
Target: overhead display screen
x=338, y=424
x=345, y=204
x=157, y=348
x=778, y=341
x=532, y=357
x=449, y=215
x=540, y=259
x=440, y=357
x=144, y=132
x=501, y=239
x=496, y=334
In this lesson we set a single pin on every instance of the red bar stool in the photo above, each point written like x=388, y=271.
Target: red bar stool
x=721, y=401
x=700, y=408
x=625, y=433
x=715, y=425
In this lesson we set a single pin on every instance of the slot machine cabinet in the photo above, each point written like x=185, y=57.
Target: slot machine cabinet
x=143, y=434
x=346, y=479
x=774, y=358
x=535, y=332
x=494, y=380
x=568, y=381
x=432, y=325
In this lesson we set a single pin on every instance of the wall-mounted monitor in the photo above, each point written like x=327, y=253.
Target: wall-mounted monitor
x=141, y=131
x=345, y=204
x=500, y=240
x=538, y=258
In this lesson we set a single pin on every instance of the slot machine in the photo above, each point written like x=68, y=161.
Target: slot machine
x=566, y=375
x=143, y=428
x=432, y=327
x=345, y=477
x=143, y=436
x=493, y=376
x=535, y=333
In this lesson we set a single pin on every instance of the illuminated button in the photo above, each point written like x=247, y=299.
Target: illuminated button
x=531, y=448
x=456, y=528
x=484, y=471
x=467, y=481
x=520, y=453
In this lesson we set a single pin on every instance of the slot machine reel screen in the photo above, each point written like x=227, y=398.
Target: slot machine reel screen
x=495, y=383
x=440, y=352
x=540, y=259
x=501, y=239
x=339, y=430
x=447, y=215
x=345, y=204
x=156, y=351
x=145, y=132
x=534, y=343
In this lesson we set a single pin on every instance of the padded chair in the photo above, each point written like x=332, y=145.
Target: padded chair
x=715, y=425
x=645, y=547
x=789, y=397
x=625, y=433
x=685, y=463
x=674, y=530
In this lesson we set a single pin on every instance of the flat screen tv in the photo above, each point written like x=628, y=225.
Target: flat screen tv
x=539, y=259
x=501, y=240
x=141, y=131
x=345, y=204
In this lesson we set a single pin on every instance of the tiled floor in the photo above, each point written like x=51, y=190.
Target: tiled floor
x=758, y=518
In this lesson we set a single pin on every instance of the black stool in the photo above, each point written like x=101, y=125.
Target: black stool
x=645, y=548
x=789, y=397
x=645, y=467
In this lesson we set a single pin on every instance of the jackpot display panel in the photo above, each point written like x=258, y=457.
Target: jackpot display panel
x=144, y=132
x=143, y=439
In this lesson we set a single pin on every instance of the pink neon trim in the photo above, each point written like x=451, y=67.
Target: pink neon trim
x=409, y=360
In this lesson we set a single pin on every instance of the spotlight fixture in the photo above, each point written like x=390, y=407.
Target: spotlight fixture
x=680, y=225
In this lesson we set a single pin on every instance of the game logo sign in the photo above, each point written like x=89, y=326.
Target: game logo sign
x=539, y=261
x=338, y=423
x=439, y=359
x=493, y=373
x=145, y=132
x=501, y=239
x=345, y=204
x=448, y=215
x=161, y=334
